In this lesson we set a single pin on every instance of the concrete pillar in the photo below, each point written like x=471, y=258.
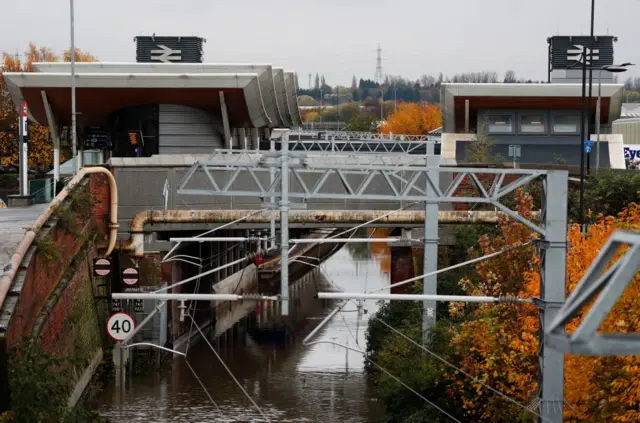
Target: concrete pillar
x=402, y=267
x=466, y=116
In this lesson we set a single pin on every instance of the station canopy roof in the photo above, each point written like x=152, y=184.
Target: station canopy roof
x=256, y=95
x=506, y=96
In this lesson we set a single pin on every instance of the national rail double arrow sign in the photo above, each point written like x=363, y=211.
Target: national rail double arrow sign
x=166, y=55
x=580, y=51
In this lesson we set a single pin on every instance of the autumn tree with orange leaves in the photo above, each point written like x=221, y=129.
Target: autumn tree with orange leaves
x=40, y=146
x=413, y=118
x=498, y=344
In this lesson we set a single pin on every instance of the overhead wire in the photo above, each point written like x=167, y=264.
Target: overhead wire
x=183, y=355
x=455, y=266
x=453, y=366
x=388, y=373
x=228, y=370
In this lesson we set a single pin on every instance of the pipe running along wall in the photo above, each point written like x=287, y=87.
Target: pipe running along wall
x=135, y=244
x=16, y=259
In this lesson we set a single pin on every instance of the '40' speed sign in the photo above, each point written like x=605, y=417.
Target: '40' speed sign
x=120, y=325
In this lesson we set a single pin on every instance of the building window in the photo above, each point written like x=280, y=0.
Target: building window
x=500, y=124
x=532, y=124
x=566, y=124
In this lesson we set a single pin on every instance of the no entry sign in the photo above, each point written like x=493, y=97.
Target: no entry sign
x=101, y=267
x=130, y=276
x=120, y=325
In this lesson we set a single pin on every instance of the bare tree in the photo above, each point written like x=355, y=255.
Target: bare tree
x=510, y=77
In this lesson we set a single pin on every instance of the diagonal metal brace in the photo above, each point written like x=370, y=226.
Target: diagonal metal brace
x=603, y=284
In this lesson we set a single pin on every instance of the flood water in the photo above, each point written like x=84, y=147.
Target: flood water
x=293, y=383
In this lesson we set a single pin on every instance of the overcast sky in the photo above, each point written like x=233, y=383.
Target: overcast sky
x=337, y=38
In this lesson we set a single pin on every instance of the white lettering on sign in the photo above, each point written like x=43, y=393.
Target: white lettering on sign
x=120, y=325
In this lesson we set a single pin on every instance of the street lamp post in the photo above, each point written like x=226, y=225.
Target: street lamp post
x=612, y=69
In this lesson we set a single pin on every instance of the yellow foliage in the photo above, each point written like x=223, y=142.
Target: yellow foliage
x=499, y=344
x=40, y=147
x=413, y=118
x=312, y=116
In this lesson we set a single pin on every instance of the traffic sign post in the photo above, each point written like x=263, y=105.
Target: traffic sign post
x=588, y=144
x=101, y=267
x=130, y=276
x=120, y=325
x=515, y=151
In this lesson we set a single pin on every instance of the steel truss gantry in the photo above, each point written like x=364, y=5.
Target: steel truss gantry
x=410, y=179
x=604, y=282
x=360, y=146
x=367, y=136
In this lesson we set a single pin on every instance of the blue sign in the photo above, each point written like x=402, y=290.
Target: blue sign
x=587, y=149
x=588, y=143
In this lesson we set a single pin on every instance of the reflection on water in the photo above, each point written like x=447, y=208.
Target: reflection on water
x=320, y=383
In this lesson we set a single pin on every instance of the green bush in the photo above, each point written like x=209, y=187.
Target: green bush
x=608, y=193
x=8, y=181
x=40, y=389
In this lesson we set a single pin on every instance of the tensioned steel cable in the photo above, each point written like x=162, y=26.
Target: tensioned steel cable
x=453, y=366
x=228, y=370
x=455, y=266
x=374, y=220
x=192, y=305
x=364, y=355
x=205, y=388
x=183, y=355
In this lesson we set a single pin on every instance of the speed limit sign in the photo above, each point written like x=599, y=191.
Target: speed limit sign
x=120, y=325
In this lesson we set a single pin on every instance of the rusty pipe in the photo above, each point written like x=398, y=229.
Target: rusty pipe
x=135, y=244
x=16, y=259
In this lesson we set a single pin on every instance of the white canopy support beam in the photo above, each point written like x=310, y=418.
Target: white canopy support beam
x=225, y=118
x=55, y=138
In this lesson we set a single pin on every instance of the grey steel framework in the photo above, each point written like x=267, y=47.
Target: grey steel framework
x=357, y=146
x=604, y=282
x=371, y=136
x=407, y=179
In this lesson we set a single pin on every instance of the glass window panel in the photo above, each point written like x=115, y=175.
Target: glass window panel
x=500, y=124
x=566, y=124
x=532, y=123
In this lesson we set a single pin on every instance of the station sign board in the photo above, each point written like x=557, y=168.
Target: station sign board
x=571, y=51
x=156, y=49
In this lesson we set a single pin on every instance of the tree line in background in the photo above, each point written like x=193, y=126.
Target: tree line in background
x=394, y=88
x=40, y=146
x=632, y=90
